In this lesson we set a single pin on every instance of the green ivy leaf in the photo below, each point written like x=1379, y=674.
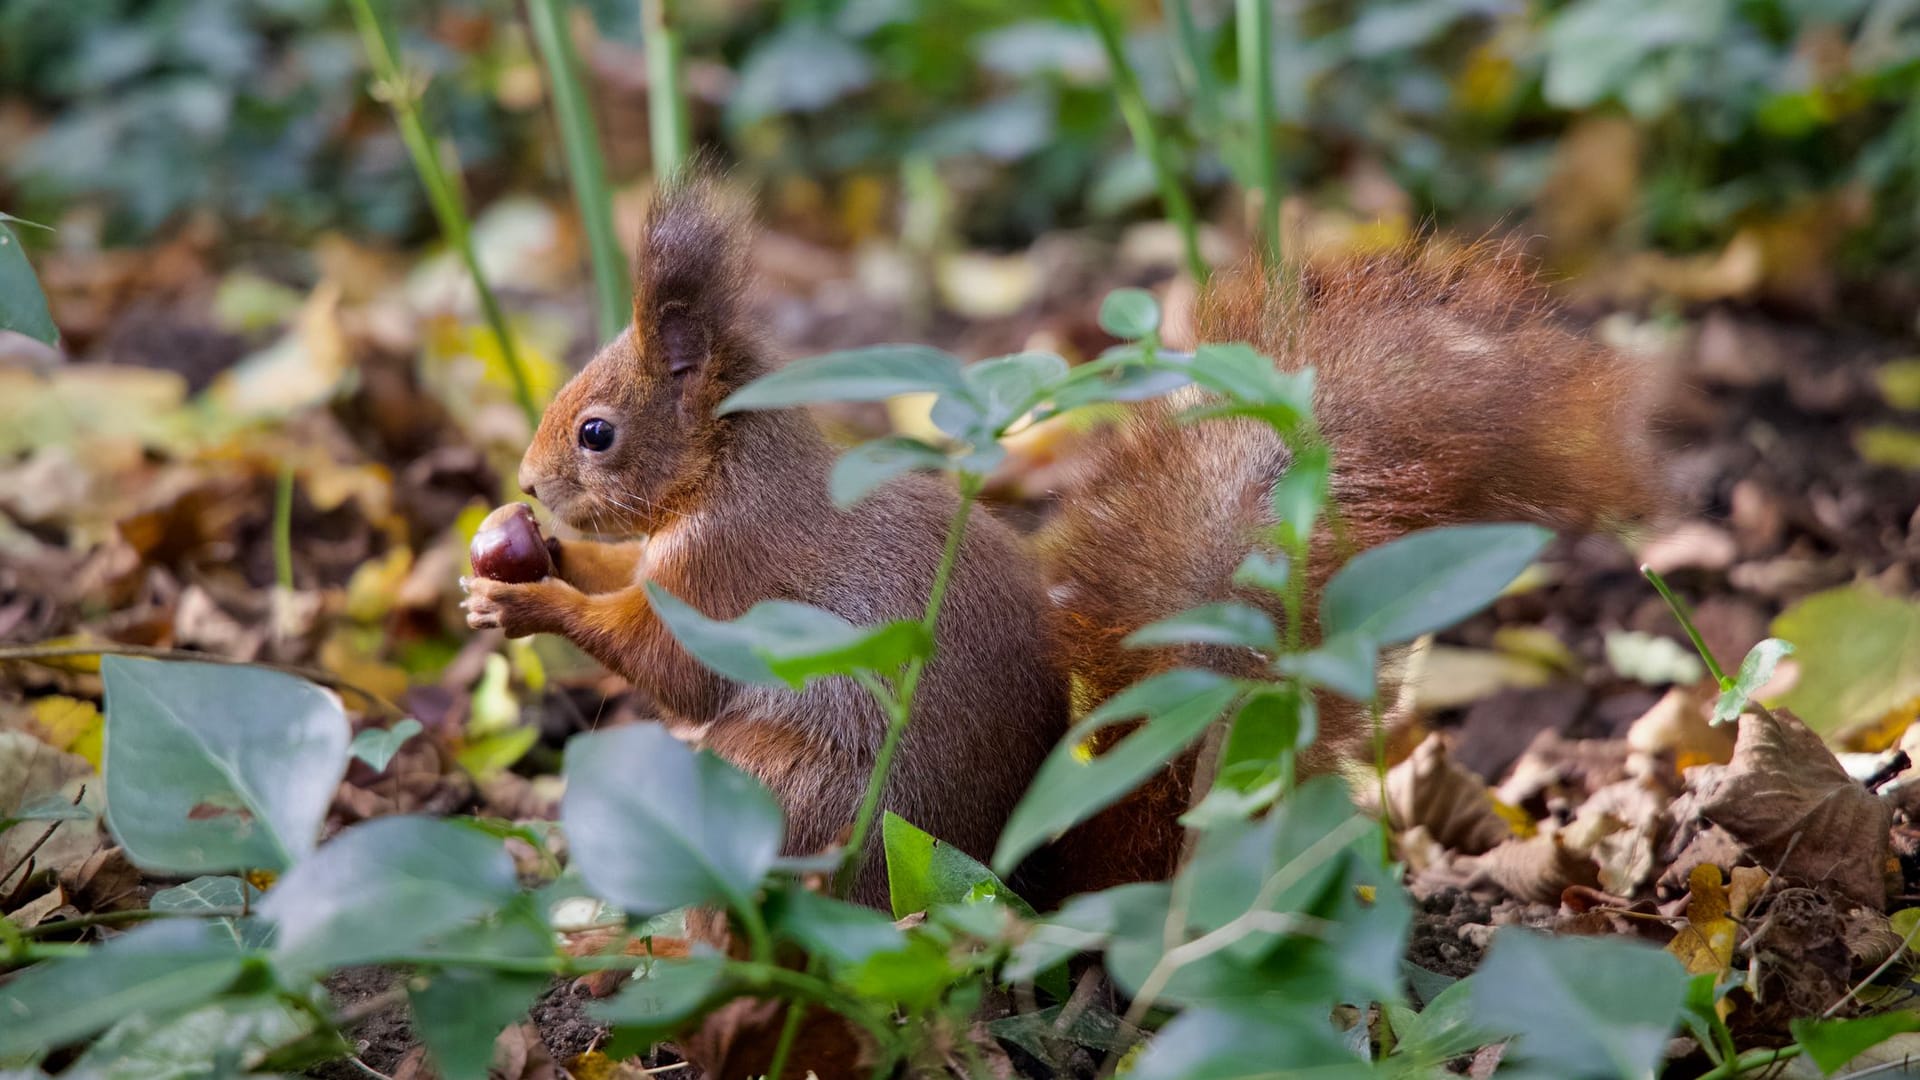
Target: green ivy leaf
x=845, y=934
x=1344, y=663
x=161, y=968
x=863, y=469
x=211, y=767
x=780, y=643
x=207, y=895
x=1831, y=1044
x=210, y=1041
x=383, y=889
x=924, y=871
x=1754, y=672
x=23, y=307
x=1073, y=785
x=1427, y=580
x=1230, y=623
x=1249, y=1043
x=1129, y=314
x=1598, y=1007
x=654, y=826
x=376, y=746
x=869, y=374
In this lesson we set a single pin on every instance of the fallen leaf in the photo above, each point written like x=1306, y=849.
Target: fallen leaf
x=1786, y=798
x=1453, y=805
x=1705, y=943
x=1858, y=654
x=1653, y=659
x=1678, y=725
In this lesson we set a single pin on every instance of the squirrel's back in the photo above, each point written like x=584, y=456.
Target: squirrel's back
x=1448, y=391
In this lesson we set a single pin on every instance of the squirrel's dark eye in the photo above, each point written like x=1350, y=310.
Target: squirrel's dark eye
x=596, y=435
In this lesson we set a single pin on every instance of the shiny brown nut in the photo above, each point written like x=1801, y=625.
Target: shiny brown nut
x=508, y=546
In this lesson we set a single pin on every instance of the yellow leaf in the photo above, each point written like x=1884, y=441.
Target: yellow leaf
x=1884, y=444
x=70, y=724
x=371, y=590
x=1705, y=944
x=1900, y=383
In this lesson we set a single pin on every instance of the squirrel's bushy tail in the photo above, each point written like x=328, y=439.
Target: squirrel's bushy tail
x=1448, y=392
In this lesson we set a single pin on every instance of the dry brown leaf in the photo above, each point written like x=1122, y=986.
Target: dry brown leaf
x=1537, y=870
x=736, y=1042
x=1627, y=821
x=1453, y=805
x=1678, y=724
x=1797, y=811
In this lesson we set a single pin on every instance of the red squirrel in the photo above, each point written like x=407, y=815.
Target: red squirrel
x=735, y=510
x=1448, y=392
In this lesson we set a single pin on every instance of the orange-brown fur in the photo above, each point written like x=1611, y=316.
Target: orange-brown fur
x=736, y=511
x=1448, y=392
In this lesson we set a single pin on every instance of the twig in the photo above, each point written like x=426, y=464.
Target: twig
x=33, y=849
x=147, y=652
x=1875, y=973
x=98, y=918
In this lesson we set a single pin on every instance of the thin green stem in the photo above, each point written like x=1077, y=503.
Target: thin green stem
x=1752, y=1061
x=1133, y=106
x=899, y=706
x=401, y=93
x=1255, y=25
x=669, y=131
x=1686, y=623
x=1195, y=67
x=283, y=527
x=789, y=1031
x=580, y=139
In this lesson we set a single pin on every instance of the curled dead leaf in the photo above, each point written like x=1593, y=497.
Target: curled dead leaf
x=1453, y=805
x=1537, y=870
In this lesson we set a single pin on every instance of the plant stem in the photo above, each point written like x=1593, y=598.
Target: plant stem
x=581, y=141
x=1192, y=60
x=900, y=706
x=789, y=1031
x=1752, y=1061
x=1255, y=31
x=669, y=132
x=401, y=93
x=283, y=527
x=1133, y=106
x=1686, y=623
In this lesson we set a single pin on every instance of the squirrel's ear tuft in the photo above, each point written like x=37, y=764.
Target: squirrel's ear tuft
x=692, y=274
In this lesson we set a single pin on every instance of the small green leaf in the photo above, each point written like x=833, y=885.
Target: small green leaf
x=1073, y=784
x=1427, y=580
x=383, y=889
x=23, y=307
x=211, y=767
x=999, y=392
x=780, y=643
x=1754, y=672
x=1248, y=1043
x=1230, y=623
x=461, y=1010
x=1253, y=385
x=204, y=1043
x=654, y=825
x=1275, y=719
x=207, y=896
x=1263, y=571
x=1344, y=663
x=845, y=934
x=659, y=1002
x=1602, y=1006
x=158, y=969
x=866, y=467
x=376, y=746
x=924, y=871
x=1300, y=494
x=1444, y=1030
x=1831, y=1044
x=1116, y=379
x=1129, y=314
x=869, y=374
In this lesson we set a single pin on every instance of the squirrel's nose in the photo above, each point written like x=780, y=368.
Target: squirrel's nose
x=527, y=482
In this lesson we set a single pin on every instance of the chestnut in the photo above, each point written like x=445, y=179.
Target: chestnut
x=508, y=546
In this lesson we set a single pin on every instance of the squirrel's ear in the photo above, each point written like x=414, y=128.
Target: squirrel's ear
x=691, y=275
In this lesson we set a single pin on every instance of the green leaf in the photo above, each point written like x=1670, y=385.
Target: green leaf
x=1427, y=580
x=654, y=826
x=217, y=1040
x=23, y=307
x=376, y=746
x=211, y=767
x=462, y=1010
x=911, y=978
x=1858, y=650
x=1445, y=1029
x=1252, y=1043
x=661, y=1001
x=1073, y=785
x=55, y=807
x=869, y=374
x=1260, y=570
x=1754, y=672
x=1275, y=719
x=1253, y=385
x=383, y=889
x=1087, y=923
x=1116, y=378
x=1594, y=1006
x=1344, y=664
x=1300, y=494
x=866, y=467
x=924, y=871
x=999, y=392
x=1831, y=1044
x=845, y=934
x=158, y=969
x=780, y=643
x=1230, y=623
x=207, y=896
x=1129, y=314
x=1092, y=1026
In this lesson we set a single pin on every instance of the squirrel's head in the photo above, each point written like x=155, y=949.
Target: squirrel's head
x=629, y=443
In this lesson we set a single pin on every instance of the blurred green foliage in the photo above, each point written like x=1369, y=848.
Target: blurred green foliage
x=1744, y=108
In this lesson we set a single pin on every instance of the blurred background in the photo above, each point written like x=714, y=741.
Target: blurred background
x=278, y=406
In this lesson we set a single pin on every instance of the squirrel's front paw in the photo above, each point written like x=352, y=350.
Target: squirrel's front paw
x=520, y=610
